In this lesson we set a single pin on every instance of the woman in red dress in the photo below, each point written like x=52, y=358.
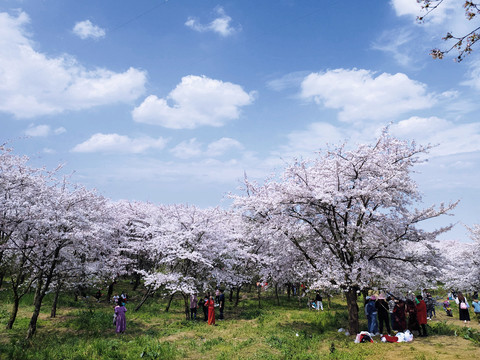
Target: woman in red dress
x=211, y=311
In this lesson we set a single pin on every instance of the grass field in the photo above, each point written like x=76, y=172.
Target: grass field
x=84, y=330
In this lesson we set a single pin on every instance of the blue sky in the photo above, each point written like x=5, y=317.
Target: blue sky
x=173, y=101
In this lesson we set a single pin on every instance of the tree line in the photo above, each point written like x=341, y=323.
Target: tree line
x=345, y=220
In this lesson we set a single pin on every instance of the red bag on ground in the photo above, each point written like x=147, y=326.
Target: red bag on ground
x=392, y=339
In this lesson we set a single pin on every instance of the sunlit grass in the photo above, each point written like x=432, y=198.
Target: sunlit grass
x=83, y=329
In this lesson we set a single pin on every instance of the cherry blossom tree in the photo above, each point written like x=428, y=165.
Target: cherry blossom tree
x=348, y=212
x=20, y=189
x=182, y=244
x=461, y=269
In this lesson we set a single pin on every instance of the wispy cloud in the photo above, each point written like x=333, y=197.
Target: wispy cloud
x=43, y=130
x=220, y=25
x=398, y=44
x=115, y=143
x=192, y=148
x=452, y=138
x=85, y=29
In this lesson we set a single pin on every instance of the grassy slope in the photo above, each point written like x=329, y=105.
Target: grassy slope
x=83, y=330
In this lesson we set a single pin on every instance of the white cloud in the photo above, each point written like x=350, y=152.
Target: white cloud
x=85, y=29
x=473, y=75
x=35, y=84
x=406, y=7
x=220, y=25
x=449, y=16
x=320, y=136
x=451, y=138
x=187, y=149
x=114, y=143
x=414, y=9
x=59, y=130
x=290, y=80
x=359, y=95
x=43, y=130
x=39, y=130
x=209, y=171
x=197, y=101
x=315, y=137
x=223, y=145
x=192, y=148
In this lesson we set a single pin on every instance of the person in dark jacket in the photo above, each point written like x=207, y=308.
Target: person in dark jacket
x=205, y=307
x=318, y=301
x=411, y=310
x=221, y=302
x=382, y=310
x=400, y=322
x=430, y=302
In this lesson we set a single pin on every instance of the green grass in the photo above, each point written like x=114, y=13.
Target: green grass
x=83, y=330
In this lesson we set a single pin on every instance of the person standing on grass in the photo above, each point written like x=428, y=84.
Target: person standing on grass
x=193, y=306
x=318, y=300
x=476, y=309
x=205, y=308
x=400, y=321
x=211, y=311
x=121, y=322
x=382, y=309
x=463, y=308
x=422, y=316
x=391, y=306
x=221, y=301
x=217, y=295
x=430, y=302
x=371, y=312
x=411, y=310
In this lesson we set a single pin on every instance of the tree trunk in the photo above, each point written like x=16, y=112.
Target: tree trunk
x=40, y=292
x=289, y=289
x=230, y=297
x=110, y=291
x=276, y=293
x=187, y=306
x=13, y=314
x=329, y=300
x=169, y=303
x=365, y=294
x=53, y=313
x=32, y=327
x=137, y=281
x=145, y=297
x=351, y=296
x=237, y=297
x=2, y=275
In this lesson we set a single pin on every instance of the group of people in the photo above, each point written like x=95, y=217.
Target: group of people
x=411, y=313
x=463, y=306
x=396, y=314
x=208, y=304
